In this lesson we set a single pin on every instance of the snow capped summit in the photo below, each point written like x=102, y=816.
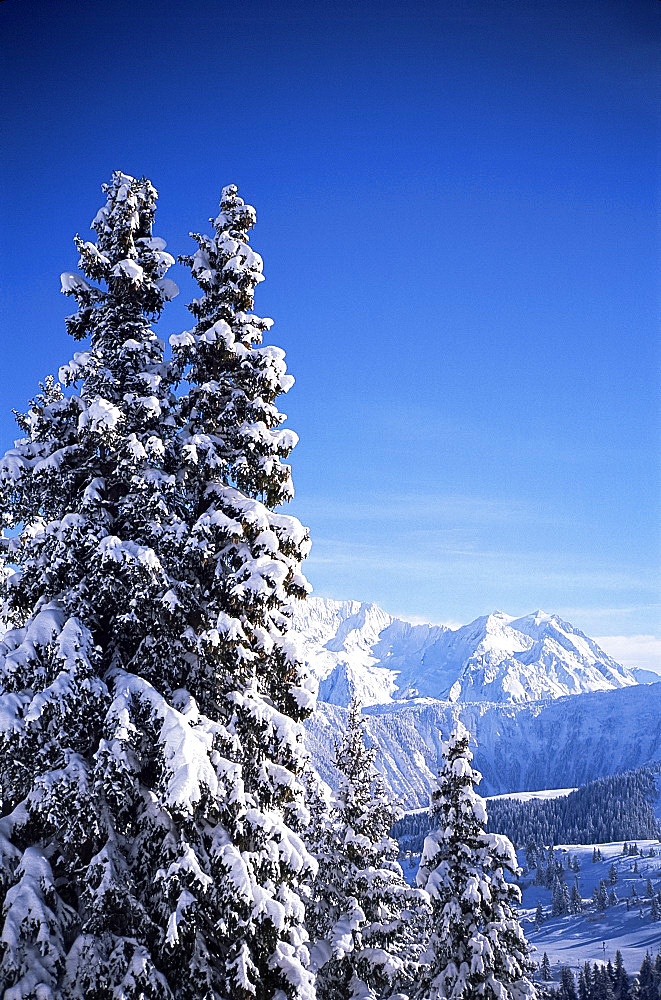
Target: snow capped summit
x=358, y=648
x=338, y=639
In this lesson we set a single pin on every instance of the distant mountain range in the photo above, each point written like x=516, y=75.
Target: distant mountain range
x=547, y=706
x=358, y=648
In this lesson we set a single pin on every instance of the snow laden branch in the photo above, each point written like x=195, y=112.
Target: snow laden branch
x=366, y=923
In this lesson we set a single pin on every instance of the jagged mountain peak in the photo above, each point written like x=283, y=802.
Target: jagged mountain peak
x=361, y=628
x=538, y=616
x=357, y=648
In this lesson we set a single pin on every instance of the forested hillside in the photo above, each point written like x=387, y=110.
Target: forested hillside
x=619, y=807
x=616, y=808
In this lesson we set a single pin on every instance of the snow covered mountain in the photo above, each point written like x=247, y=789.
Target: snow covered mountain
x=547, y=707
x=560, y=743
x=354, y=647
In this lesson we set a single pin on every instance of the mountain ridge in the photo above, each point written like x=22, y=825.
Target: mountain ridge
x=545, y=705
x=557, y=743
x=357, y=648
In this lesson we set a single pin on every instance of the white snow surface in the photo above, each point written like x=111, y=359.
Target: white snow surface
x=129, y=269
x=73, y=282
x=543, y=793
x=100, y=415
x=356, y=648
x=590, y=936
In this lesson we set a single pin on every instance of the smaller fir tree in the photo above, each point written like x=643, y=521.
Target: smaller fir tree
x=575, y=902
x=647, y=986
x=364, y=920
x=567, y=985
x=600, y=896
x=539, y=915
x=602, y=988
x=561, y=902
x=583, y=992
x=477, y=947
x=531, y=854
x=620, y=978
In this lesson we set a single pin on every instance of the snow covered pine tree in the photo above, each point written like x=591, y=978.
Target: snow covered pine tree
x=477, y=947
x=150, y=700
x=366, y=922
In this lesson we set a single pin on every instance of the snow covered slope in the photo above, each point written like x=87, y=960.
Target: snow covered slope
x=354, y=647
x=561, y=743
x=591, y=936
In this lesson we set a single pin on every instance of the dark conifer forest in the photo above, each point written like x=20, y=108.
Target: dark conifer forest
x=619, y=807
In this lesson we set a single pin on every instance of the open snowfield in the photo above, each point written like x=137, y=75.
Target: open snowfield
x=591, y=936
x=546, y=793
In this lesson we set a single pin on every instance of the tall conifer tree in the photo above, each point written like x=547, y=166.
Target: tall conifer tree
x=149, y=697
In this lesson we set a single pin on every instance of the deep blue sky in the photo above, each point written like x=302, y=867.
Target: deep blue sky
x=457, y=212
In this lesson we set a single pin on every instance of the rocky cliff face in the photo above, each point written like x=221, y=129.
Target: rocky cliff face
x=560, y=743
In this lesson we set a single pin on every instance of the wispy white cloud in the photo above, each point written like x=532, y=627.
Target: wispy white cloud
x=633, y=650
x=424, y=510
x=445, y=583
x=444, y=556
x=609, y=613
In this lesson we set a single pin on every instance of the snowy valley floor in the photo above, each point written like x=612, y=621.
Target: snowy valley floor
x=590, y=936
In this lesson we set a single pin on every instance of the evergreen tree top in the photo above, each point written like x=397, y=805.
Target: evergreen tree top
x=235, y=217
x=126, y=257
x=225, y=265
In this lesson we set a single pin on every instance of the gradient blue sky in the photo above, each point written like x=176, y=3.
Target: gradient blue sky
x=457, y=212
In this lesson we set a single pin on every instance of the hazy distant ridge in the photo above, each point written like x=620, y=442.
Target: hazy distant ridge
x=562, y=743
